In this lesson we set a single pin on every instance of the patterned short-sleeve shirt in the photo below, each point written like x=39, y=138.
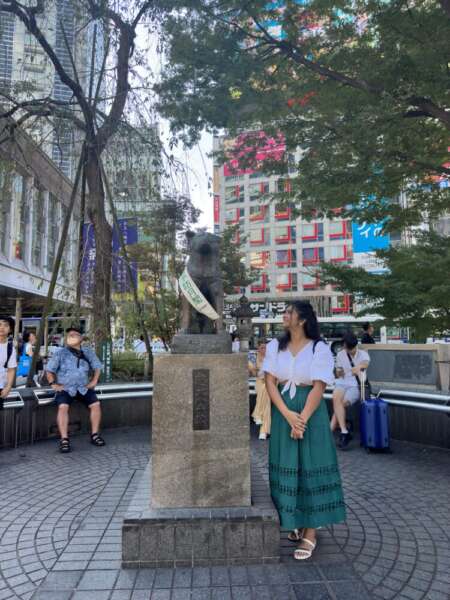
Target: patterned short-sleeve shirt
x=73, y=373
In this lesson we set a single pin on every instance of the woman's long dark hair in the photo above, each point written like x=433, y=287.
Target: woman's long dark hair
x=305, y=311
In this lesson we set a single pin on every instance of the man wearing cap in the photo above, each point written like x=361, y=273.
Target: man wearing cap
x=8, y=357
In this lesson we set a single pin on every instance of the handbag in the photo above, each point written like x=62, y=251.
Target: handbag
x=24, y=364
x=364, y=384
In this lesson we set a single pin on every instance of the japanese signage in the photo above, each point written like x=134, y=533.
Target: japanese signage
x=263, y=310
x=121, y=282
x=368, y=237
x=106, y=358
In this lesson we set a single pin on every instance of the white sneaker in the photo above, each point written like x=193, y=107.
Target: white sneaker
x=257, y=421
x=263, y=436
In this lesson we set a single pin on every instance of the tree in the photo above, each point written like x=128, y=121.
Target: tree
x=95, y=109
x=407, y=293
x=360, y=87
x=234, y=271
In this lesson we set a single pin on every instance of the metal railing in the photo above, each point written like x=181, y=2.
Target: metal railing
x=111, y=391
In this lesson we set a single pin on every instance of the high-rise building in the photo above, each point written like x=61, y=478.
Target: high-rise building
x=27, y=73
x=282, y=250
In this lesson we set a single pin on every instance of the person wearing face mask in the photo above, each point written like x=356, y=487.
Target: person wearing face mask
x=73, y=373
x=305, y=481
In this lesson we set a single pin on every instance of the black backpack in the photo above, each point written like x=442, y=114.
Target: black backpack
x=9, y=351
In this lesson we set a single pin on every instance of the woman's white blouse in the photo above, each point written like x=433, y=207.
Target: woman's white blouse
x=304, y=368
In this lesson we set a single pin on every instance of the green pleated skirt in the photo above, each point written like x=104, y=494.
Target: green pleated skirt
x=305, y=482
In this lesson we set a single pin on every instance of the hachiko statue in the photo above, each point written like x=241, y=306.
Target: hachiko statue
x=204, y=268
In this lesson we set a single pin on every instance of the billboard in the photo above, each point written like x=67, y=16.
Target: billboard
x=368, y=237
x=120, y=278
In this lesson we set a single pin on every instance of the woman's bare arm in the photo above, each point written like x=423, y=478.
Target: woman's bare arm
x=313, y=400
x=293, y=418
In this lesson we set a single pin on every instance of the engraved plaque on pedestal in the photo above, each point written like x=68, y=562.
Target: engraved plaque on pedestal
x=200, y=431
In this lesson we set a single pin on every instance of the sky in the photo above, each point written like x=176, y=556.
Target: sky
x=198, y=163
x=199, y=170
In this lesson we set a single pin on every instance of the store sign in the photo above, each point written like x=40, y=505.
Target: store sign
x=263, y=310
x=368, y=237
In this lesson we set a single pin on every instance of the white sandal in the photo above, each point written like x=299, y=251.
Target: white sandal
x=304, y=553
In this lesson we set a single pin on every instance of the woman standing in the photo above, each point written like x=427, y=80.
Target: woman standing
x=304, y=475
x=261, y=414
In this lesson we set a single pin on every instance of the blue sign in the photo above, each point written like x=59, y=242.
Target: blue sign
x=368, y=237
x=121, y=281
x=120, y=278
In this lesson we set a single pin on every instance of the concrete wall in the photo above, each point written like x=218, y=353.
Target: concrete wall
x=407, y=366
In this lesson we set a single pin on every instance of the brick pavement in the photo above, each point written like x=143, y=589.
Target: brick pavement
x=60, y=528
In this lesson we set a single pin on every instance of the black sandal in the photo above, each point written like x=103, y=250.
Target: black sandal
x=64, y=445
x=97, y=440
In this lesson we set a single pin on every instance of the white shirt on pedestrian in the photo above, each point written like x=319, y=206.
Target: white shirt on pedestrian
x=343, y=362
x=312, y=363
x=12, y=363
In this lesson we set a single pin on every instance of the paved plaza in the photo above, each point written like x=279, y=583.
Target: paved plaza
x=61, y=516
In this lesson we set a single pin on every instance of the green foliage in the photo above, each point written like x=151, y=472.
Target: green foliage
x=413, y=292
x=366, y=97
x=234, y=271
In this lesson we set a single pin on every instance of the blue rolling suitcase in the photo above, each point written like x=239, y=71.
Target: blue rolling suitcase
x=374, y=424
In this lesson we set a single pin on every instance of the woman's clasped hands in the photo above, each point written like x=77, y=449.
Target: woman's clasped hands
x=297, y=423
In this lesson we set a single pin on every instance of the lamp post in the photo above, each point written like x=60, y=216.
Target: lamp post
x=243, y=316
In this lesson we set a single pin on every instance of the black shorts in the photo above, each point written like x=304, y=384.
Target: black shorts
x=90, y=397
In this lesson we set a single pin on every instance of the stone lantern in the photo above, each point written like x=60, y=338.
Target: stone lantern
x=243, y=316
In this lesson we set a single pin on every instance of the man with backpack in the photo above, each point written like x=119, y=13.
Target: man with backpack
x=69, y=374
x=351, y=364
x=8, y=358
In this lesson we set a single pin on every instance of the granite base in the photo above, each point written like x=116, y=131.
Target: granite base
x=178, y=537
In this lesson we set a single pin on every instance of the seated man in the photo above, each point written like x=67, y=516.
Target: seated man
x=350, y=363
x=68, y=374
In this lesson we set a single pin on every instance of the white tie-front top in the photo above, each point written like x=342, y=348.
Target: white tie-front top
x=309, y=365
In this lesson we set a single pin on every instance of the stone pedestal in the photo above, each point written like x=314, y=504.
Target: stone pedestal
x=200, y=432
x=194, y=505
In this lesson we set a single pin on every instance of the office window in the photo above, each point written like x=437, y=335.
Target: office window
x=312, y=255
x=259, y=236
x=38, y=229
x=285, y=234
x=259, y=213
x=312, y=232
x=259, y=260
x=310, y=281
x=234, y=215
x=22, y=213
x=340, y=253
x=6, y=178
x=234, y=194
x=261, y=284
x=337, y=230
x=286, y=282
x=52, y=231
x=286, y=258
x=258, y=190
